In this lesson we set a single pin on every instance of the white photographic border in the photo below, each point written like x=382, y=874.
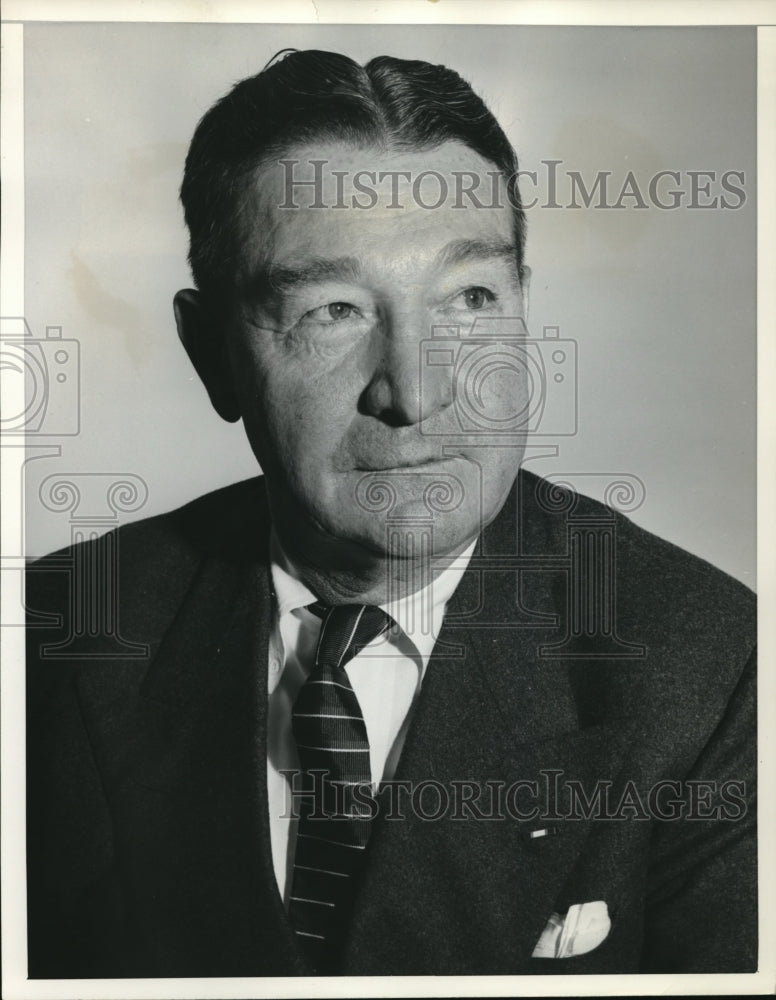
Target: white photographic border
x=562, y=12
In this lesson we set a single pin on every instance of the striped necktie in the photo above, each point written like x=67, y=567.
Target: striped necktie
x=333, y=750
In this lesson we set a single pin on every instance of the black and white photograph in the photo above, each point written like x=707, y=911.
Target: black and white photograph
x=380, y=485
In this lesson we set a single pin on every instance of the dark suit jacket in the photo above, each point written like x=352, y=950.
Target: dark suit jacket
x=149, y=847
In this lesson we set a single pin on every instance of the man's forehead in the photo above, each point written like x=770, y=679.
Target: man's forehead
x=341, y=175
x=323, y=198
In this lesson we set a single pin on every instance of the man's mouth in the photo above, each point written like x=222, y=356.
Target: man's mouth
x=398, y=463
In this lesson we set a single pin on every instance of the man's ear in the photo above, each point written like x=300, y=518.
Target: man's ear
x=207, y=350
x=525, y=289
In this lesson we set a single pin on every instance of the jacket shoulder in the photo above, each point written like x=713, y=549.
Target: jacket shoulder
x=686, y=630
x=114, y=597
x=643, y=561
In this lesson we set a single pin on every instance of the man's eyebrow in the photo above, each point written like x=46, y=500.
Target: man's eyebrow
x=279, y=278
x=283, y=277
x=465, y=251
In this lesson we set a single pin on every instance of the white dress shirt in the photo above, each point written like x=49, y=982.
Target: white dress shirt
x=385, y=676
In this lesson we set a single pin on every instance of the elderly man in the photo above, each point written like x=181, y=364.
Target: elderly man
x=400, y=713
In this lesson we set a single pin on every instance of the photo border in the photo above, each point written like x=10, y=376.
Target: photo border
x=761, y=13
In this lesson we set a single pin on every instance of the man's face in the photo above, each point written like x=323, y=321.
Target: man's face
x=352, y=414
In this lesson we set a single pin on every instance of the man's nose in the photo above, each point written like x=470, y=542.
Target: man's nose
x=404, y=389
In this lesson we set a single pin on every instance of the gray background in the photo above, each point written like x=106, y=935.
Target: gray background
x=661, y=303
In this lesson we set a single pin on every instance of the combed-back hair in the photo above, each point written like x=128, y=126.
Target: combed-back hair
x=305, y=96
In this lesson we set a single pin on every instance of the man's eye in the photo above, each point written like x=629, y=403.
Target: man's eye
x=333, y=312
x=477, y=297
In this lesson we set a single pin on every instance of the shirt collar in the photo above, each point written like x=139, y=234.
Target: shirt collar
x=292, y=594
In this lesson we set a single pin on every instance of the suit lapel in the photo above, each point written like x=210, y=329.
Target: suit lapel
x=186, y=782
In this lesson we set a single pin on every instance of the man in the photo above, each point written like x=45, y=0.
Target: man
x=402, y=710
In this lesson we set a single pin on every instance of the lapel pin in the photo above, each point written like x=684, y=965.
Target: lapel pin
x=541, y=833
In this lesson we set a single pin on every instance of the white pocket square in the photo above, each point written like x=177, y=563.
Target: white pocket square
x=583, y=928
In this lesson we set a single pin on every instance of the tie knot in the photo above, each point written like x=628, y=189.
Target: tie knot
x=346, y=629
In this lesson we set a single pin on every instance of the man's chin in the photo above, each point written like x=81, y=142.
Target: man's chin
x=434, y=507
x=429, y=510
x=411, y=532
